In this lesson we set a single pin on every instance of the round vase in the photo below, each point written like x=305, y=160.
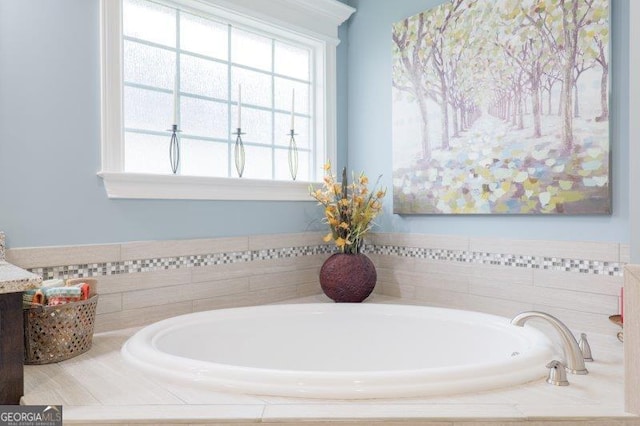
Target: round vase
x=348, y=277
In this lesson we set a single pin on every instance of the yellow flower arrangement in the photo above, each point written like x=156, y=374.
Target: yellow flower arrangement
x=349, y=209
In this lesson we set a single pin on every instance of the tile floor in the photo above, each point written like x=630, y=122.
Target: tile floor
x=98, y=387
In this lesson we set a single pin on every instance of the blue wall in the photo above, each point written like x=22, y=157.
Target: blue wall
x=369, y=132
x=49, y=139
x=50, y=144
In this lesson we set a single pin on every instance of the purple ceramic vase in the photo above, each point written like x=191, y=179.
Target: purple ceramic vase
x=348, y=277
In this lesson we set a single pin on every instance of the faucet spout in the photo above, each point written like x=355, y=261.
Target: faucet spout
x=572, y=352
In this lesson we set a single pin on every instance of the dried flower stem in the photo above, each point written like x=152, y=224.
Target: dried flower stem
x=349, y=209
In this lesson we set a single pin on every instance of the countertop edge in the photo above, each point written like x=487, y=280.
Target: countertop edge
x=14, y=279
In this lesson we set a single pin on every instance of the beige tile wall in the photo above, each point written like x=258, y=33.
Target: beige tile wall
x=583, y=301
x=134, y=299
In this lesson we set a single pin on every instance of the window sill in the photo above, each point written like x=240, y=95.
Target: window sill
x=170, y=187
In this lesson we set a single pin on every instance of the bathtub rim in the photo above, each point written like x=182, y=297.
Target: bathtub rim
x=517, y=370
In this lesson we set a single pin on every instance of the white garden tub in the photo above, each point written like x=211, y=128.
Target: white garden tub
x=341, y=350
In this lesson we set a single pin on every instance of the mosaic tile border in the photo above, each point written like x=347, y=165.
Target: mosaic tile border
x=166, y=263
x=581, y=266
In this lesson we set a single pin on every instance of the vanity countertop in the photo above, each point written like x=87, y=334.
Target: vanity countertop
x=14, y=279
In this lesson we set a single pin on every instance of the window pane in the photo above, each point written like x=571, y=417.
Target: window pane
x=292, y=61
x=203, y=77
x=250, y=49
x=303, y=132
x=283, y=127
x=284, y=90
x=148, y=65
x=255, y=123
x=256, y=87
x=203, y=118
x=203, y=36
x=149, y=21
x=282, y=165
x=204, y=158
x=269, y=71
x=146, y=153
x=147, y=109
x=258, y=162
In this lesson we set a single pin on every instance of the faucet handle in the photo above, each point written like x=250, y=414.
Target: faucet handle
x=583, y=344
x=557, y=374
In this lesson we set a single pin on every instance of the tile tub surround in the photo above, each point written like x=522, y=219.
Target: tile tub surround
x=98, y=387
x=142, y=282
x=197, y=275
x=578, y=282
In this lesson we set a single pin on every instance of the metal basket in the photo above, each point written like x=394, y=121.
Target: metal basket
x=57, y=333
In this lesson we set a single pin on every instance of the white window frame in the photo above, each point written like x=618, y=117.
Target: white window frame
x=314, y=19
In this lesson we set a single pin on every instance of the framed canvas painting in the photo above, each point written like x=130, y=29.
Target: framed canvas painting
x=502, y=107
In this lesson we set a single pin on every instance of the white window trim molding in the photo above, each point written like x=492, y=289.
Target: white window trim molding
x=150, y=186
x=316, y=19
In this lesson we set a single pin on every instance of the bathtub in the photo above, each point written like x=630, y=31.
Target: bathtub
x=345, y=351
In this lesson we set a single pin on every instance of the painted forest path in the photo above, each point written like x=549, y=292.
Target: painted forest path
x=492, y=132
x=494, y=168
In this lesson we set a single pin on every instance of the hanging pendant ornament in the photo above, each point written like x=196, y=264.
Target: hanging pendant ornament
x=293, y=149
x=174, y=149
x=238, y=152
x=293, y=155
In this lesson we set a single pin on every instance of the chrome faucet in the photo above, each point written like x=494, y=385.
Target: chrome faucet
x=572, y=352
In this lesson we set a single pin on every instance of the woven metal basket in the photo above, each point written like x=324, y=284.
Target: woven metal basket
x=57, y=333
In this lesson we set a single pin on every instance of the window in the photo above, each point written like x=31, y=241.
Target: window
x=189, y=63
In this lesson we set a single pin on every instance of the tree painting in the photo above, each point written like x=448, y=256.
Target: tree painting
x=501, y=106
